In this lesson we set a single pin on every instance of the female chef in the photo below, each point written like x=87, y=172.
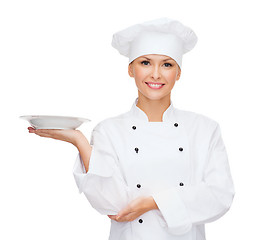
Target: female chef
x=158, y=172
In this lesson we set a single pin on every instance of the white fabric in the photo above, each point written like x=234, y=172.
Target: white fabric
x=159, y=167
x=160, y=36
x=155, y=42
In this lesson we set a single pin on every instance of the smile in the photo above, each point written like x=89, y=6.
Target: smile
x=155, y=85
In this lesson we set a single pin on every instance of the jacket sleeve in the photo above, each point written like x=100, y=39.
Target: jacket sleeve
x=185, y=206
x=103, y=184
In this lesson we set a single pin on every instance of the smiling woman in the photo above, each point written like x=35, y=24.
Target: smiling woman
x=156, y=171
x=157, y=72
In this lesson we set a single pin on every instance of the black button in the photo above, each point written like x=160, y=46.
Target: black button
x=181, y=184
x=138, y=185
x=140, y=220
x=133, y=127
x=176, y=124
x=181, y=149
x=136, y=149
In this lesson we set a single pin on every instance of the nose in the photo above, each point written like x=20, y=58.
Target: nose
x=155, y=73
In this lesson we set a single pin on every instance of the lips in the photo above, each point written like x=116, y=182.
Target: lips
x=155, y=85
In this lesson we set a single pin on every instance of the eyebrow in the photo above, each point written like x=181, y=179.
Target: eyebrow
x=162, y=60
x=168, y=59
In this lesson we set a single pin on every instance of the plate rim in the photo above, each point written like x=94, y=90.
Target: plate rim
x=28, y=117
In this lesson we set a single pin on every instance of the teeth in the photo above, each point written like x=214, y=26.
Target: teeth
x=155, y=85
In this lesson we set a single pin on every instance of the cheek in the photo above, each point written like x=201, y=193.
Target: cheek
x=171, y=76
x=140, y=74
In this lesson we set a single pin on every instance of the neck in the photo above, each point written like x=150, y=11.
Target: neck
x=154, y=109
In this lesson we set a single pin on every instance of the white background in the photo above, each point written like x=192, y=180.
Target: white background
x=56, y=58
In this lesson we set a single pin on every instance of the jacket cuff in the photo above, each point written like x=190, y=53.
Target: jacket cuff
x=79, y=172
x=173, y=210
x=96, y=167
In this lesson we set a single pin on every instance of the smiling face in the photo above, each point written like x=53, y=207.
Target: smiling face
x=155, y=75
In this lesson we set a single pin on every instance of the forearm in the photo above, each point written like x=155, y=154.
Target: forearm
x=135, y=208
x=151, y=204
x=84, y=149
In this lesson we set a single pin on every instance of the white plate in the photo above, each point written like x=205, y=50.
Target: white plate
x=54, y=122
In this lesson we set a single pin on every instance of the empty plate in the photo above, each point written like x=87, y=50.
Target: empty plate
x=54, y=122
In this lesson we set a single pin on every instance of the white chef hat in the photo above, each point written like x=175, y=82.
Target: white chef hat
x=160, y=36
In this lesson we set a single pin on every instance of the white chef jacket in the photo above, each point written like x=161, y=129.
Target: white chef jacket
x=181, y=162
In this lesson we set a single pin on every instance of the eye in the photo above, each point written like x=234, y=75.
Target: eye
x=167, y=65
x=145, y=62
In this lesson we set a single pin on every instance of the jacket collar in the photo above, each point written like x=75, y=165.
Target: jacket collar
x=168, y=115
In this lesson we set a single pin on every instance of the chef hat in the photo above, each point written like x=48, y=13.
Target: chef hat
x=160, y=36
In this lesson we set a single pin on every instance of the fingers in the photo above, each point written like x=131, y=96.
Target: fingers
x=125, y=211
x=31, y=129
x=125, y=214
x=127, y=218
x=113, y=217
x=117, y=218
x=42, y=132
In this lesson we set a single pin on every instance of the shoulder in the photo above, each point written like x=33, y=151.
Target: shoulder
x=194, y=120
x=111, y=122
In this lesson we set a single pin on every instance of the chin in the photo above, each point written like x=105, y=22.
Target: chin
x=155, y=98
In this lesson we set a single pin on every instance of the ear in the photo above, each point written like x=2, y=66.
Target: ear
x=179, y=74
x=130, y=70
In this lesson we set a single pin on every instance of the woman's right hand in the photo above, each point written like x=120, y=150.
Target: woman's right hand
x=67, y=135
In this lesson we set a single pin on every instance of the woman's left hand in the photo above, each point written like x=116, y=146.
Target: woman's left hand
x=134, y=209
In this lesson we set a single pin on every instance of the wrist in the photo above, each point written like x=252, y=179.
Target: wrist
x=80, y=140
x=150, y=203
